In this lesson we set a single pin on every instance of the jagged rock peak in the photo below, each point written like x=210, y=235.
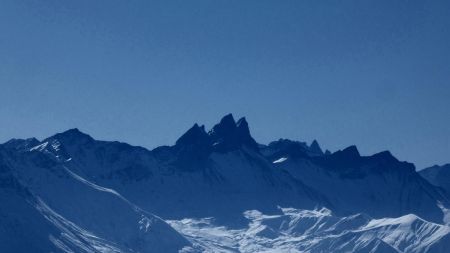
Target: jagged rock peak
x=315, y=148
x=242, y=125
x=228, y=135
x=195, y=134
x=226, y=125
x=225, y=136
x=244, y=133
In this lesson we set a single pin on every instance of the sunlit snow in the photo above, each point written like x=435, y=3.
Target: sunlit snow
x=282, y=159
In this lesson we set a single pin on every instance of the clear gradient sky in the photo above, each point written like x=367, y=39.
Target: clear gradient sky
x=371, y=73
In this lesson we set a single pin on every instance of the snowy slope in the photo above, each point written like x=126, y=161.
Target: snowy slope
x=91, y=217
x=317, y=231
x=22, y=227
x=29, y=225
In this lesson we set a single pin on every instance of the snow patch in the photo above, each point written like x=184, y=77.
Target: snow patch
x=56, y=145
x=40, y=147
x=282, y=159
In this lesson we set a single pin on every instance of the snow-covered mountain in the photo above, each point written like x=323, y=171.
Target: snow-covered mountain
x=378, y=185
x=318, y=230
x=48, y=208
x=219, y=190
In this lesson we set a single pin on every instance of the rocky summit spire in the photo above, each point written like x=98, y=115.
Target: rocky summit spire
x=242, y=126
x=244, y=133
x=315, y=148
x=228, y=135
x=193, y=148
x=226, y=127
x=225, y=136
x=194, y=136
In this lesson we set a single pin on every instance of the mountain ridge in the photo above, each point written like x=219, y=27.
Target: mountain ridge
x=221, y=173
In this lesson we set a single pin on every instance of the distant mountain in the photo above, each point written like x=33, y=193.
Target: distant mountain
x=86, y=195
x=438, y=175
x=378, y=185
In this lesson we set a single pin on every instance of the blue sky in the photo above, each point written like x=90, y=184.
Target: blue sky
x=371, y=73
